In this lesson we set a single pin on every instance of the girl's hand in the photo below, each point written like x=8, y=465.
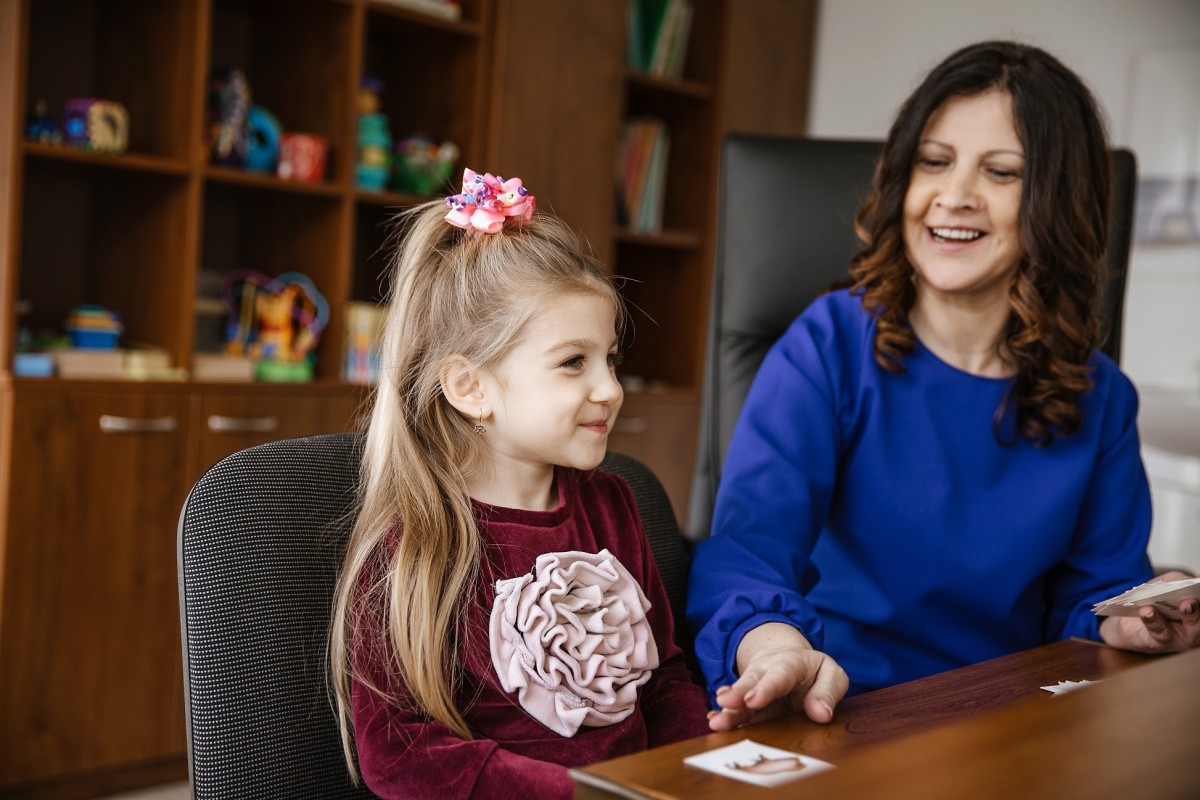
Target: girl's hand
x=779, y=672
x=1154, y=631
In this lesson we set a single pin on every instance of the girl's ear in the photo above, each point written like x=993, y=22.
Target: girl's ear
x=462, y=387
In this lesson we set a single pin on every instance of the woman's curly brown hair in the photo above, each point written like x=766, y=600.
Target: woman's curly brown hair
x=1054, y=326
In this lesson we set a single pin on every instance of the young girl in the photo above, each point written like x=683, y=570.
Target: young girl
x=499, y=617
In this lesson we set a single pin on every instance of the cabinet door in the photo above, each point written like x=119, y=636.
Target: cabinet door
x=232, y=421
x=90, y=656
x=660, y=431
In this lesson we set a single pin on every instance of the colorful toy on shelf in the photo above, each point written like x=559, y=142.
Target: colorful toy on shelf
x=101, y=126
x=374, y=138
x=263, y=135
x=93, y=327
x=228, y=107
x=40, y=127
x=422, y=167
x=302, y=157
x=277, y=321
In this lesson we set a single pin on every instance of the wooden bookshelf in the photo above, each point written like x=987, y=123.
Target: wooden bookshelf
x=90, y=679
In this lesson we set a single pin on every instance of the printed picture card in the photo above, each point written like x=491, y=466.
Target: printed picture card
x=758, y=763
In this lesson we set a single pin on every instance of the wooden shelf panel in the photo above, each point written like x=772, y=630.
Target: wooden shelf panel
x=671, y=239
x=467, y=27
x=391, y=199
x=260, y=180
x=644, y=82
x=139, y=162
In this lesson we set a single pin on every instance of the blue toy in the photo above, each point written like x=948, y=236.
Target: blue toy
x=263, y=133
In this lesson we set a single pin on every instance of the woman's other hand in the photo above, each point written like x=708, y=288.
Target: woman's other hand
x=1154, y=630
x=779, y=672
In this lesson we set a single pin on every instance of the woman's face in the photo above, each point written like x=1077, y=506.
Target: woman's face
x=962, y=209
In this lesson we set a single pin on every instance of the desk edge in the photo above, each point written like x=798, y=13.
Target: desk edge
x=611, y=787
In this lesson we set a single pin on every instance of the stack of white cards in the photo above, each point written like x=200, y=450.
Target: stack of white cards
x=1165, y=595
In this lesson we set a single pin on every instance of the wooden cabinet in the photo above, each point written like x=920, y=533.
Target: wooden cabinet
x=232, y=419
x=90, y=653
x=89, y=648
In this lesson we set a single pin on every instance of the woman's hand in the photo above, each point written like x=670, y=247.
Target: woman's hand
x=1154, y=630
x=779, y=672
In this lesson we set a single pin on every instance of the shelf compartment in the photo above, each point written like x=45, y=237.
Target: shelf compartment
x=125, y=249
x=296, y=59
x=272, y=232
x=667, y=299
x=401, y=46
x=373, y=246
x=139, y=53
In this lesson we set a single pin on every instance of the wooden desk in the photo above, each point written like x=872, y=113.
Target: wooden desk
x=987, y=730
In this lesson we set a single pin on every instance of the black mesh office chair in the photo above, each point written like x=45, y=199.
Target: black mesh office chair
x=261, y=537
x=785, y=233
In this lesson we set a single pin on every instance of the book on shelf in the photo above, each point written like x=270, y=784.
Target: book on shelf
x=659, y=31
x=650, y=219
x=361, y=347
x=641, y=174
x=447, y=9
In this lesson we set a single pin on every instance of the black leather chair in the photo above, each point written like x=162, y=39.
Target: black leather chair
x=785, y=233
x=261, y=537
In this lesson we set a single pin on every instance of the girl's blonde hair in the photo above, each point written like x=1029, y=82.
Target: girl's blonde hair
x=451, y=294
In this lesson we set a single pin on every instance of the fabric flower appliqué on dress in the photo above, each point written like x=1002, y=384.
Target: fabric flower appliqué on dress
x=573, y=641
x=487, y=201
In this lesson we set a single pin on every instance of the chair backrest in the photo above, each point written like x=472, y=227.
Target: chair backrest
x=785, y=234
x=261, y=538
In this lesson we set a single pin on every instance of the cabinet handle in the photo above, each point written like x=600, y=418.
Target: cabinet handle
x=111, y=424
x=221, y=424
x=632, y=425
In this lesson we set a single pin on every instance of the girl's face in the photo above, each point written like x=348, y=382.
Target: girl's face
x=962, y=209
x=554, y=397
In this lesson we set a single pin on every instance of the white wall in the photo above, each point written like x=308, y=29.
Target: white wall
x=1142, y=60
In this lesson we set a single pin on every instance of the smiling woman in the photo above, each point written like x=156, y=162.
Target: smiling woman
x=937, y=466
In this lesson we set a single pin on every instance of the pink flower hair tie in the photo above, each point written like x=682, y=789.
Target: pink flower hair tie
x=487, y=201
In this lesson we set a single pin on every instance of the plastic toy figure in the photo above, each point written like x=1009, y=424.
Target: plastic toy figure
x=374, y=138
x=40, y=127
x=228, y=107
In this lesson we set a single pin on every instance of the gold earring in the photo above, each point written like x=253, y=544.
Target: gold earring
x=479, y=425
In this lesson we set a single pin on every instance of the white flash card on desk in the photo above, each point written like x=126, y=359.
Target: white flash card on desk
x=1062, y=687
x=758, y=763
x=1166, y=595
